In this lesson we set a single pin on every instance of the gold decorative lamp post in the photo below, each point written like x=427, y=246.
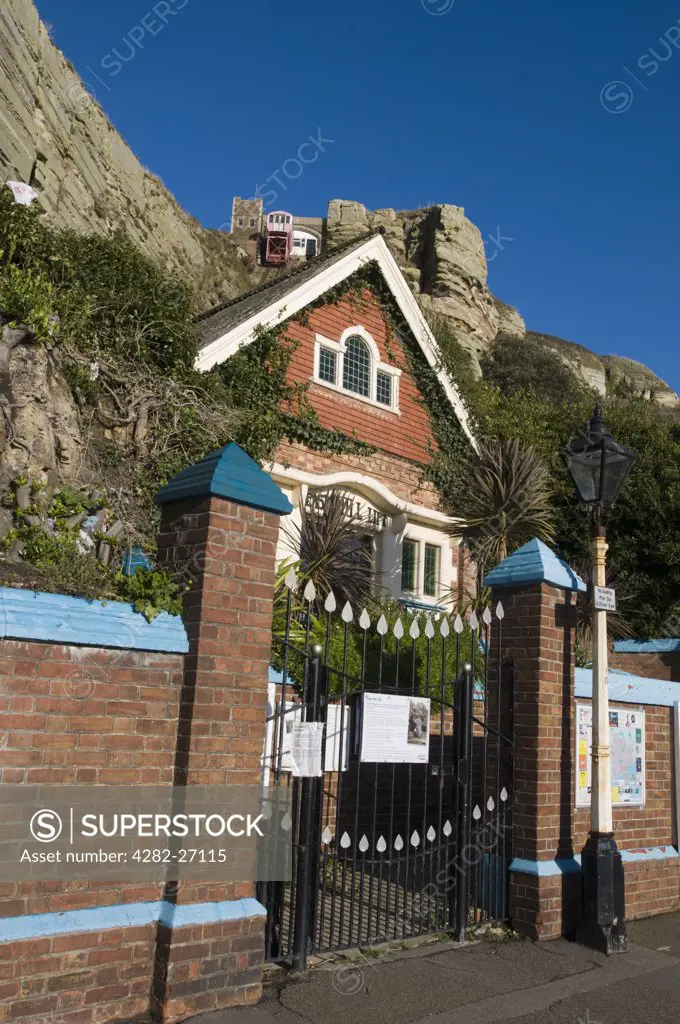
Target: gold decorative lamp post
x=599, y=467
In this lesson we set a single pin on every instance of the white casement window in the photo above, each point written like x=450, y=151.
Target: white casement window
x=353, y=365
x=421, y=563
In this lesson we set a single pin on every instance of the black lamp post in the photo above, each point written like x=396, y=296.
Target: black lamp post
x=599, y=467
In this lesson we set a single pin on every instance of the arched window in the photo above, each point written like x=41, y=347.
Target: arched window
x=356, y=372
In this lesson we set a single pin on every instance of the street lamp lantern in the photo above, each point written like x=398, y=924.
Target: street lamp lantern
x=599, y=467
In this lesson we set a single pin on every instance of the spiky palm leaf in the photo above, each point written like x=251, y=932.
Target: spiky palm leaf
x=330, y=542
x=508, y=501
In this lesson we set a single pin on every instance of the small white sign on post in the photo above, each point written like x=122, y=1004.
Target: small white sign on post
x=605, y=599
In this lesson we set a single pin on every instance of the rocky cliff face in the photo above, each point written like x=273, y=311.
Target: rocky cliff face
x=54, y=135
x=442, y=255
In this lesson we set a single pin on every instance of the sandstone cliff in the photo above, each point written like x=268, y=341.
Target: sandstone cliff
x=442, y=255
x=55, y=135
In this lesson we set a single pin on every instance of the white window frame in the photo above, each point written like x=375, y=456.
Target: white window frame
x=421, y=536
x=438, y=573
x=340, y=347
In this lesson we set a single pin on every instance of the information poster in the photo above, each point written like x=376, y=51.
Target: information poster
x=627, y=746
x=293, y=715
x=395, y=729
x=306, y=742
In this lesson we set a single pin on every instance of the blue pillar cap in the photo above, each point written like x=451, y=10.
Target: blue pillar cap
x=231, y=474
x=534, y=563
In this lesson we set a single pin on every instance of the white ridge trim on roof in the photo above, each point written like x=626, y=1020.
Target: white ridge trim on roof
x=292, y=302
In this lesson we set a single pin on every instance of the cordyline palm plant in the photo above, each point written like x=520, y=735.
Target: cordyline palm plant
x=508, y=501
x=332, y=552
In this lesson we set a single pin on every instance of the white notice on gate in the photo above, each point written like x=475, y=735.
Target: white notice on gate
x=395, y=729
x=305, y=749
x=337, y=735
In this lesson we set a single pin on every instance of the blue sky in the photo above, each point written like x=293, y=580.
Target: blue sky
x=554, y=123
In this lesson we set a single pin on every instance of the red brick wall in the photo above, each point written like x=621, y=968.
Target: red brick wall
x=107, y=976
x=77, y=979
x=407, y=435
x=90, y=716
x=651, y=825
x=538, y=640
x=402, y=477
x=652, y=887
x=649, y=665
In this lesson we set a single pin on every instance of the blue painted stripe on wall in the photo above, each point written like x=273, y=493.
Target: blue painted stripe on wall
x=654, y=853
x=572, y=865
x=646, y=646
x=630, y=689
x=58, y=618
x=130, y=915
x=546, y=868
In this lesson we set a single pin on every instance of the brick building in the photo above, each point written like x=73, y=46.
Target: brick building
x=359, y=382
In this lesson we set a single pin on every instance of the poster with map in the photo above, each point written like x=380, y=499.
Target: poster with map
x=627, y=744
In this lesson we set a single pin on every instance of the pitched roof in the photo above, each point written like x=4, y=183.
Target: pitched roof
x=227, y=328
x=215, y=322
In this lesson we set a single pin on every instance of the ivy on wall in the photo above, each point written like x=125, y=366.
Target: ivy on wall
x=120, y=331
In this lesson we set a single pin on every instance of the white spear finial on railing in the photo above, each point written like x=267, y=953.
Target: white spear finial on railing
x=290, y=579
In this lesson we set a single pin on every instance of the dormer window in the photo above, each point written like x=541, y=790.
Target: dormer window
x=353, y=365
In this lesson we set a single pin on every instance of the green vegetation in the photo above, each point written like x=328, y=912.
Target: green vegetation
x=121, y=332
x=527, y=365
x=508, y=501
x=643, y=533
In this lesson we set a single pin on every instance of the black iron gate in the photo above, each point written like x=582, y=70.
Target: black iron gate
x=407, y=830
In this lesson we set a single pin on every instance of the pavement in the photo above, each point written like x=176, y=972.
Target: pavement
x=482, y=982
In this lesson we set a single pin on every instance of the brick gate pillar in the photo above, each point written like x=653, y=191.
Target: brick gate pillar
x=220, y=521
x=538, y=592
